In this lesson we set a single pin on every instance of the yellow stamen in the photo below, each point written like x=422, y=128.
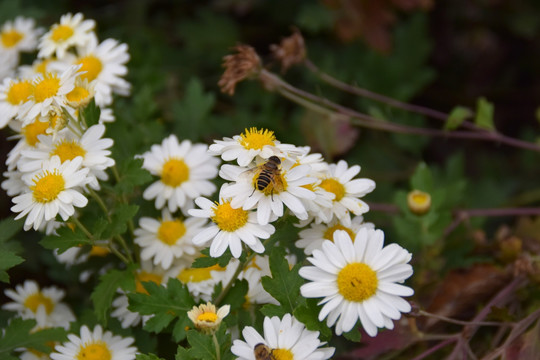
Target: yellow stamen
x=78, y=94
x=282, y=354
x=329, y=233
x=208, y=317
x=33, y=130
x=68, y=150
x=357, y=282
x=11, y=38
x=33, y=302
x=170, y=231
x=19, y=92
x=47, y=188
x=257, y=139
x=98, y=350
x=46, y=88
x=333, y=186
x=198, y=274
x=92, y=65
x=229, y=219
x=61, y=33
x=174, y=172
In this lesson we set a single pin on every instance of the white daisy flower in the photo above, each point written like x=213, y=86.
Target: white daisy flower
x=283, y=339
x=201, y=281
x=52, y=190
x=13, y=93
x=67, y=145
x=229, y=228
x=339, y=181
x=184, y=170
x=95, y=345
x=8, y=64
x=31, y=302
x=313, y=237
x=287, y=187
x=167, y=239
x=207, y=318
x=82, y=93
x=13, y=183
x=359, y=280
x=19, y=35
x=256, y=293
x=49, y=91
x=75, y=255
x=71, y=31
x=251, y=143
x=104, y=64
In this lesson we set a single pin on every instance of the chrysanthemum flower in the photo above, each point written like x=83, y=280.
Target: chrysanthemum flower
x=19, y=35
x=286, y=339
x=71, y=31
x=32, y=302
x=229, y=227
x=201, y=281
x=167, y=239
x=184, y=170
x=251, y=143
x=95, y=345
x=52, y=190
x=269, y=202
x=206, y=318
x=13, y=93
x=347, y=191
x=313, y=237
x=359, y=280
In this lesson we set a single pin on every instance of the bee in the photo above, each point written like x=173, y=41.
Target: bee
x=268, y=176
x=263, y=352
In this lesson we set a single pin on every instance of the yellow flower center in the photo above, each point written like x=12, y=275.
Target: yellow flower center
x=11, y=38
x=47, y=188
x=195, y=275
x=333, y=186
x=170, y=231
x=41, y=67
x=99, y=251
x=357, y=282
x=229, y=219
x=329, y=233
x=19, y=92
x=33, y=130
x=419, y=202
x=174, y=172
x=61, y=33
x=92, y=65
x=144, y=276
x=68, y=150
x=94, y=351
x=282, y=354
x=46, y=88
x=256, y=139
x=35, y=300
x=78, y=94
x=208, y=317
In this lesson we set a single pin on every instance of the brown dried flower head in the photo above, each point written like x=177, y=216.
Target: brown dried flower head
x=290, y=51
x=243, y=64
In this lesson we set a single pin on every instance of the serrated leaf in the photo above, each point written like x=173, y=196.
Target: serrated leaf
x=484, y=114
x=272, y=310
x=207, y=260
x=182, y=353
x=180, y=328
x=8, y=259
x=132, y=174
x=147, y=357
x=120, y=216
x=422, y=178
x=104, y=292
x=202, y=346
x=65, y=239
x=308, y=314
x=456, y=117
x=284, y=285
x=91, y=113
x=9, y=227
x=18, y=334
x=236, y=297
x=164, y=303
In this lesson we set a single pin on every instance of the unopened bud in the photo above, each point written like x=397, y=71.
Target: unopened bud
x=419, y=202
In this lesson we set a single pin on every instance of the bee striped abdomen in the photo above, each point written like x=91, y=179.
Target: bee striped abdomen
x=263, y=180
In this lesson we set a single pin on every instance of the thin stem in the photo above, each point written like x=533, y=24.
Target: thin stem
x=123, y=244
x=216, y=345
x=80, y=225
x=460, y=322
x=120, y=255
x=234, y=277
x=435, y=348
x=100, y=202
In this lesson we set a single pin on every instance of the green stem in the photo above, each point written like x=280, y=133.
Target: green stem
x=234, y=277
x=120, y=255
x=123, y=243
x=216, y=345
x=100, y=202
x=87, y=232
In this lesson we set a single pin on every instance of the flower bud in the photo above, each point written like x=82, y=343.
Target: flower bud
x=419, y=202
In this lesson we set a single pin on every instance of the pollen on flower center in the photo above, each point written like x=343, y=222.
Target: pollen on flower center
x=333, y=186
x=78, y=94
x=92, y=65
x=198, y=274
x=170, y=231
x=33, y=302
x=282, y=354
x=46, y=88
x=257, y=139
x=229, y=219
x=11, y=38
x=174, y=172
x=19, y=92
x=357, y=282
x=97, y=350
x=47, y=188
x=329, y=233
x=68, y=150
x=207, y=317
x=33, y=130
x=61, y=33
x=144, y=276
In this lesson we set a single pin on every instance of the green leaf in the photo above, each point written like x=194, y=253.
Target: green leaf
x=9, y=228
x=65, y=239
x=131, y=174
x=202, y=346
x=308, y=314
x=456, y=117
x=272, y=310
x=207, y=260
x=147, y=357
x=354, y=335
x=104, y=292
x=165, y=303
x=8, y=259
x=19, y=334
x=284, y=285
x=91, y=113
x=191, y=112
x=315, y=17
x=484, y=114
x=422, y=178
x=182, y=354
x=121, y=215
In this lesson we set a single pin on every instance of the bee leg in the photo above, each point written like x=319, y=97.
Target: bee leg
x=253, y=192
